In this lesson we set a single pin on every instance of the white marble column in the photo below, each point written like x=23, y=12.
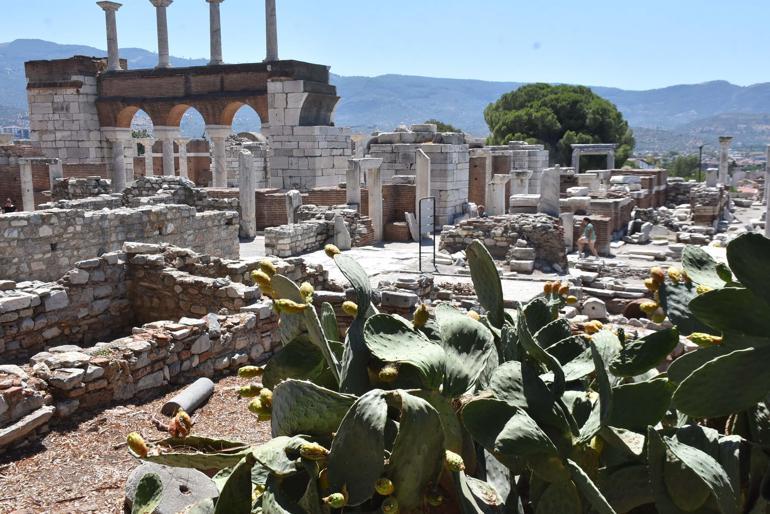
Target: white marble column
x=353, y=184
x=162, y=21
x=119, y=139
x=496, y=203
x=374, y=183
x=246, y=191
x=610, y=160
x=181, y=143
x=218, y=134
x=215, y=30
x=113, y=57
x=550, y=192
x=167, y=135
x=149, y=163
x=27, y=190
x=271, y=32
x=724, y=159
x=576, y=160
x=55, y=171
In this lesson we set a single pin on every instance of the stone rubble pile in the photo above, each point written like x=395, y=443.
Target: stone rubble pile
x=500, y=234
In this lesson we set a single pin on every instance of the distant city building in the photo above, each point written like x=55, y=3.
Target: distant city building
x=15, y=131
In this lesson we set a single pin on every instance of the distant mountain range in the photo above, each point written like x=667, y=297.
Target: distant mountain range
x=676, y=117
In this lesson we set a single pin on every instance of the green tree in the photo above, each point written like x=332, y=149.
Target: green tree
x=443, y=127
x=558, y=116
x=685, y=166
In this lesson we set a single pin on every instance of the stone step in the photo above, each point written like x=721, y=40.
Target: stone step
x=522, y=266
x=523, y=254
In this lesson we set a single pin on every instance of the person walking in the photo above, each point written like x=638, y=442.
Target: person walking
x=588, y=238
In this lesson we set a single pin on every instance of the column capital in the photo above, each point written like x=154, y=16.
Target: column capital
x=218, y=131
x=725, y=139
x=115, y=134
x=214, y=1
x=161, y=3
x=165, y=133
x=109, y=6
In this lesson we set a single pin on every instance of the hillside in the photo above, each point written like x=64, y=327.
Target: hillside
x=675, y=117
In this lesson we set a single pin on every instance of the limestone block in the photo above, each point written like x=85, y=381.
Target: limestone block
x=595, y=308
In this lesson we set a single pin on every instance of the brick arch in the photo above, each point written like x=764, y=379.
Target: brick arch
x=318, y=109
x=258, y=104
x=175, y=114
x=126, y=115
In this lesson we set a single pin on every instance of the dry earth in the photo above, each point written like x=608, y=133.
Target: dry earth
x=82, y=465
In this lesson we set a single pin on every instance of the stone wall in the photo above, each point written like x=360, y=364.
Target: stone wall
x=63, y=118
x=258, y=157
x=306, y=157
x=76, y=188
x=316, y=228
x=500, y=233
x=68, y=379
x=449, y=161
x=43, y=245
x=89, y=303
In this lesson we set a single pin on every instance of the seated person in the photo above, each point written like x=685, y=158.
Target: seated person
x=8, y=206
x=588, y=238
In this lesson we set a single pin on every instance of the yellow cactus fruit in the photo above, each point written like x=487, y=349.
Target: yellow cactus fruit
x=649, y=307
x=249, y=391
x=388, y=374
x=390, y=505
x=137, y=445
x=267, y=267
x=564, y=289
x=420, y=316
x=350, y=308
x=184, y=419
x=474, y=315
x=702, y=289
x=289, y=307
x=384, y=486
x=262, y=279
x=650, y=284
x=702, y=339
x=592, y=327
x=572, y=300
x=255, y=406
x=434, y=498
x=331, y=251
x=657, y=275
x=313, y=451
x=266, y=397
x=547, y=288
x=454, y=462
x=250, y=372
x=335, y=500
x=675, y=274
x=307, y=291
x=177, y=429
x=659, y=316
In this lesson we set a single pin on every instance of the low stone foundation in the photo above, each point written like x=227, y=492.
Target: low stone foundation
x=500, y=233
x=75, y=188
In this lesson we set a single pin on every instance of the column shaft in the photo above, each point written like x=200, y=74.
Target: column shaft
x=767, y=178
x=27, y=190
x=219, y=162
x=271, y=31
x=162, y=22
x=149, y=165
x=113, y=57
x=55, y=171
x=215, y=24
x=182, y=144
x=118, y=166
x=247, y=190
x=374, y=183
x=168, y=157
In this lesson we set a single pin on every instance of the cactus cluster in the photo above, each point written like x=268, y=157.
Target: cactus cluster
x=506, y=410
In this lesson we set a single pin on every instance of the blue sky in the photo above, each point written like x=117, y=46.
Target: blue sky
x=637, y=44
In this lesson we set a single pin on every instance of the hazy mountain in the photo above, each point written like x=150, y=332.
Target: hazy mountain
x=675, y=117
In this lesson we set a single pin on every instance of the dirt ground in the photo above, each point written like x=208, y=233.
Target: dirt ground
x=82, y=465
